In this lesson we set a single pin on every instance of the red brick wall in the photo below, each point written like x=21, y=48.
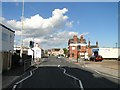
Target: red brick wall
x=89, y=51
x=75, y=38
x=83, y=48
x=73, y=52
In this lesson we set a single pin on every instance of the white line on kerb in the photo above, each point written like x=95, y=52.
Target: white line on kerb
x=102, y=73
x=80, y=83
x=105, y=74
x=31, y=73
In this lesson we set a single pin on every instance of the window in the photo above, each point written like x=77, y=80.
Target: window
x=72, y=54
x=10, y=38
x=79, y=47
x=71, y=42
x=4, y=36
x=73, y=48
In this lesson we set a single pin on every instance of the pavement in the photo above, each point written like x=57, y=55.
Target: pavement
x=108, y=67
x=10, y=76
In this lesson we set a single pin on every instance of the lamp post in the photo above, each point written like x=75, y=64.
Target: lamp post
x=84, y=57
x=77, y=56
x=21, y=50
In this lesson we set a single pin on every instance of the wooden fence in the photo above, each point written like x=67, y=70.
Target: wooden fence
x=6, y=60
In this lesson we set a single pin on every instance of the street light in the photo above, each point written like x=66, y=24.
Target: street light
x=21, y=50
x=84, y=57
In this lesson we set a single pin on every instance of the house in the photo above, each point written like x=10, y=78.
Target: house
x=49, y=52
x=78, y=48
x=55, y=51
x=6, y=47
x=36, y=51
x=92, y=49
x=18, y=48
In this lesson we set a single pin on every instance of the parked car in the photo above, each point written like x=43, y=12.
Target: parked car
x=119, y=58
x=92, y=58
x=44, y=56
x=96, y=58
x=99, y=58
x=60, y=56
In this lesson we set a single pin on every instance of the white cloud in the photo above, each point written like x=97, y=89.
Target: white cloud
x=36, y=24
x=85, y=33
x=46, y=31
x=17, y=33
x=73, y=33
x=69, y=24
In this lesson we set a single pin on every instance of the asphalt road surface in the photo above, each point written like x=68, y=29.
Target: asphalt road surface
x=59, y=73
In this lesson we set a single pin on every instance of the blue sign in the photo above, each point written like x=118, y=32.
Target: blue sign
x=95, y=49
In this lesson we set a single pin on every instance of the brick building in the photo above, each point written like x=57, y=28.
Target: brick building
x=77, y=47
x=55, y=51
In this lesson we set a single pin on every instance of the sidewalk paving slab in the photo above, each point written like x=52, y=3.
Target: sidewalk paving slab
x=11, y=75
x=96, y=67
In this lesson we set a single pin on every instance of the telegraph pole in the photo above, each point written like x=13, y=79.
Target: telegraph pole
x=116, y=44
x=21, y=50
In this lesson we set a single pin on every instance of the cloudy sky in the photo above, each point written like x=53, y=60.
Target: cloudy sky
x=53, y=24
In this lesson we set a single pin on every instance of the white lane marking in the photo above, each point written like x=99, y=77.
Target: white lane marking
x=14, y=87
x=31, y=73
x=80, y=83
x=106, y=74
x=48, y=65
x=58, y=65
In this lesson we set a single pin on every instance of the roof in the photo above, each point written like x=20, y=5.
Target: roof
x=7, y=28
x=78, y=41
x=56, y=49
x=93, y=46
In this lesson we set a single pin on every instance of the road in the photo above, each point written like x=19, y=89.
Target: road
x=59, y=73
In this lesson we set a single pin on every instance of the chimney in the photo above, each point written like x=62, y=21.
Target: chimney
x=81, y=39
x=89, y=44
x=97, y=44
x=75, y=38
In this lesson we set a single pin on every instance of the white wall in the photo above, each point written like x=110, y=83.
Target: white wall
x=0, y=49
x=0, y=63
x=81, y=44
x=109, y=52
x=0, y=38
x=7, y=40
x=30, y=52
x=37, y=52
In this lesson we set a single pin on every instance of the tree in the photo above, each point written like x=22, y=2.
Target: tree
x=65, y=51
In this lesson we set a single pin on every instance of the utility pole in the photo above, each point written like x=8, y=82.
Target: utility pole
x=116, y=44
x=21, y=50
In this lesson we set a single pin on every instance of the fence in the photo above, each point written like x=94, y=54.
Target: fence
x=0, y=62
x=27, y=61
x=6, y=60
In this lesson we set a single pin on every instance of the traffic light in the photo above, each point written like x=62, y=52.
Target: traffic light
x=31, y=45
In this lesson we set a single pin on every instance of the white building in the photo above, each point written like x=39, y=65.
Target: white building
x=6, y=47
x=56, y=51
x=36, y=51
x=7, y=39
x=111, y=53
